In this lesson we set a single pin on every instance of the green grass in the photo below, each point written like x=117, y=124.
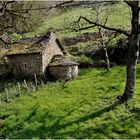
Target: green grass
x=78, y=109
x=118, y=16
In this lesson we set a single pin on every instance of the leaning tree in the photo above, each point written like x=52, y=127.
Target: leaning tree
x=133, y=44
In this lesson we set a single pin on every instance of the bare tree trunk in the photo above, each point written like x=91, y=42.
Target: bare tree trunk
x=105, y=50
x=133, y=55
x=98, y=11
x=107, y=59
x=134, y=43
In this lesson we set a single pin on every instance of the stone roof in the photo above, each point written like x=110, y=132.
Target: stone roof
x=62, y=61
x=31, y=45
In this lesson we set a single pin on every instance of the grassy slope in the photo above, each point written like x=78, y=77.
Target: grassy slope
x=77, y=110
x=118, y=17
x=80, y=108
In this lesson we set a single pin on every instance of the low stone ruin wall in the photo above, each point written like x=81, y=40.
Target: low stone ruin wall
x=84, y=37
x=64, y=72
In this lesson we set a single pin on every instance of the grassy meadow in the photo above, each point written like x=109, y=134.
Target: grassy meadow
x=80, y=108
x=76, y=109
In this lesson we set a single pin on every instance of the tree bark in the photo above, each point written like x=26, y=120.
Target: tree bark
x=131, y=71
x=133, y=44
x=133, y=54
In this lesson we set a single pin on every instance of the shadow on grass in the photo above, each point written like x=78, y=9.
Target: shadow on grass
x=114, y=129
x=51, y=130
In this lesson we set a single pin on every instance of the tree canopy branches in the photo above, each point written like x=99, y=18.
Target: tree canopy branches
x=131, y=3
x=102, y=26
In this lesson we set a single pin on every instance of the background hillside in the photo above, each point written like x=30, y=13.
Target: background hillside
x=60, y=21
x=81, y=108
x=64, y=21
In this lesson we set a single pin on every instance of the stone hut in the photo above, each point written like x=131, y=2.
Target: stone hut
x=63, y=69
x=32, y=55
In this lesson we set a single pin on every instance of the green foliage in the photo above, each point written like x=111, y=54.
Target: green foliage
x=81, y=59
x=9, y=90
x=15, y=37
x=115, y=40
x=26, y=21
x=76, y=109
x=79, y=50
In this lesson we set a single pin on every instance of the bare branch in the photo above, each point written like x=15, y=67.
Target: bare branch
x=3, y=41
x=4, y=5
x=110, y=38
x=129, y=3
x=7, y=43
x=43, y=8
x=9, y=26
x=84, y=28
x=17, y=14
x=103, y=26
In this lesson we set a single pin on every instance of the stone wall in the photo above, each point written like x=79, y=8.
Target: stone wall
x=25, y=64
x=34, y=63
x=64, y=72
x=84, y=37
x=51, y=50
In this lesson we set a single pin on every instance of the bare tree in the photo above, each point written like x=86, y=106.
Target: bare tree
x=104, y=48
x=133, y=45
x=100, y=30
x=20, y=16
x=14, y=20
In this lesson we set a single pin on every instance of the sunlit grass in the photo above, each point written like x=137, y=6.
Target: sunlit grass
x=78, y=109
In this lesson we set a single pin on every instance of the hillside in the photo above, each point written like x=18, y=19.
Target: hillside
x=118, y=16
x=61, y=23
x=78, y=109
x=39, y=107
